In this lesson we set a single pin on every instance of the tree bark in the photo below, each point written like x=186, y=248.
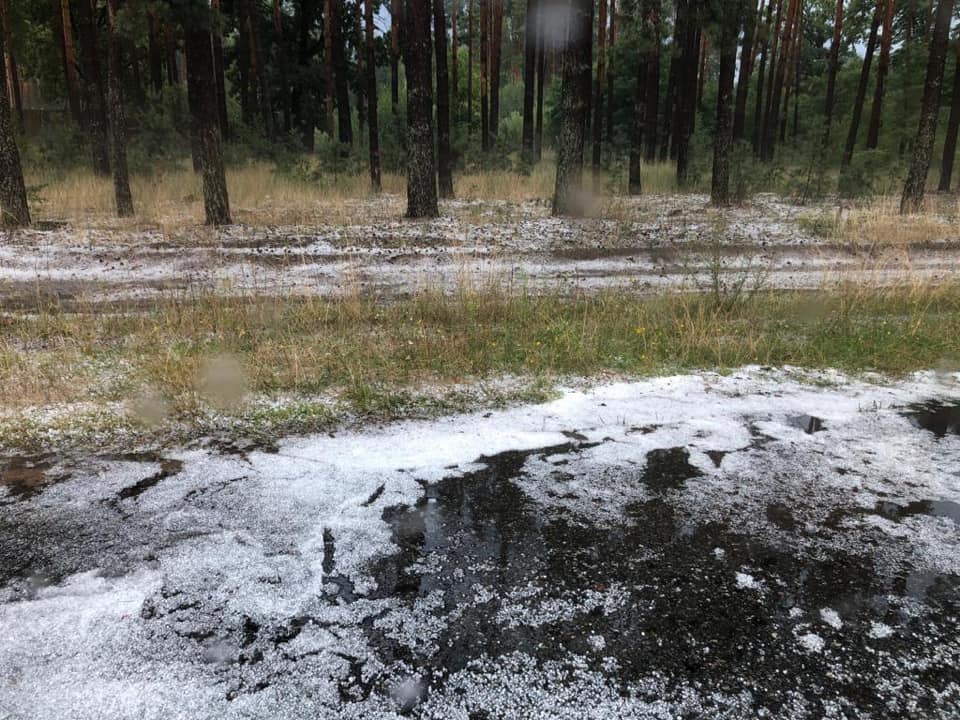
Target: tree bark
x=118, y=129
x=599, y=87
x=574, y=99
x=834, y=65
x=328, y=82
x=341, y=79
x=747, y=53
x=218, y=68
x=953, y=125
x=772, y=122
x=470, y=68
x=652, y=85
x=484, y=67
x=421, y=160
x=861, y=89
x=541, y=70
x=723, y=134
x=793, y=65
x=771, y=78
x=673, y=78
x=761, y=77
x=396, y=10
x=912, y=200
x=12, y=71
x=154, y=51
x=64, y=39
x=883, y=66
x=687, y=92
x=201, y=83
x=444, y=157
x=14, y=211
x=611, y=47
x=496, y=52
x=96, y=97
x=454, y=65
x=529, y=80
x=373, y=121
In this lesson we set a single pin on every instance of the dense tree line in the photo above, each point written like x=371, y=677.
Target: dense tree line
x=635, y=82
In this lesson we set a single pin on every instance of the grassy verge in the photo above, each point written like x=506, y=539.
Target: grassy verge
x=269, y=366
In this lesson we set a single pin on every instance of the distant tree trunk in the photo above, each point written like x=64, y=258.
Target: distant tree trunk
x=541, y=70
x=96, y=97
x=883, y=66
x=118, y=130
x=470, y=67
x=421, y=161
x=201, y=83
x=14, y=211
x=341, y=79
x=496, y=51
x=651, y=108
x=673, y=78
x=529, y=79
x=640, y=112
x=484, y=68
x=913, y=190
x=953, y=125
x=786, y=56
x=328, y=81
x=396, y=10
x=454, y=65
x=302, y=92
x=772, y=71
x=64, y=27
x=574, y=99
x=170, y=55
x=361, y=83
x=687, y=93
x=154, y=51
x=249, y=29
x=12, y=72
x=747, y=53
x=759, y=103
x=599, y=86
x=373, y=121
x=834, y=65
x=723, y=134
x=611, y=47
x=793, y=62
x=444, y=158
x=702, y=73
x=861, y=89
x=218, y=68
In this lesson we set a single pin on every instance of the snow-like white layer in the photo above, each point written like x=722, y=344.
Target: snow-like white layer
x=251, y=538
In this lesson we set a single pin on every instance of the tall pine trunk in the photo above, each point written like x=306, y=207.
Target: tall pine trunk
x=373, y=121
x=673, y=77
x=154, y=51
x=202, y=84
x=611, y=49
x=328, y=80
x=341, y=79
x=484, y=71
x=454, y=65
x=496, y=58
x=599, y=87
x=421, y=160
x=883, y=66
x=444, y=157
x=913, y=190
x=94, y=89
x=219, y=68
x=14, y=211
x=834, y=65
x=747, y=53
x=862, y=89
x=529, y=80
x=651, y=105
x=574, y=109
x=470, y=67
x=541, y=70
x=63, y=26
x=12, y=71
x=723, y=134
x=953, y=125
x=772, y=121
x=118, y=129
x=761, y=78
x=396, y=10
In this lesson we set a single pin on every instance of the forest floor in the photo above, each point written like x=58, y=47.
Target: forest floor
x=761, y=544
x=646, y=245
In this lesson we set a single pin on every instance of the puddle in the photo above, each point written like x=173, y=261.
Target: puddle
x=940, y=418
x=660, y=593
x=933, y=508
x=810, y=424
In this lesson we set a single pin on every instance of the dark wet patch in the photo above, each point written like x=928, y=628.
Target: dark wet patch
x=940, y=418
x=780, y=515
x=168, y=468
x=668, y=469
x=26, y=476
x=661, y=591
x=810, y=424
x=933, y=508
x=717, y=456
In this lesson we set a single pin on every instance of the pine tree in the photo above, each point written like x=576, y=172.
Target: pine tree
x=14, y=211
x=373, y=122
x=118, y=123
x=444, y=154
x=421, y=160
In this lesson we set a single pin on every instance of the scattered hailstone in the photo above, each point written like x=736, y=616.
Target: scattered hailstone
x=879, y=631
x=812, y=642
x=596, y=642
x=748, y=582
x=795, y=612
x=719, y=553
x=831, y=618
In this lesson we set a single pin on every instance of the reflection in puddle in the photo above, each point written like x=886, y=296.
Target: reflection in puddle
x=24, y=477
x=657, y=592
x=940, y=418
x=810, y=424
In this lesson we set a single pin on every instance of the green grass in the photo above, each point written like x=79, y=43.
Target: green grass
x=319, y=360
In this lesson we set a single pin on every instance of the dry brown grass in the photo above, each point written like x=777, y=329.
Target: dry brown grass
x=877, y=223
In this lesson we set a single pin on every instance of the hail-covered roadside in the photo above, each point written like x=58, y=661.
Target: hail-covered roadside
x=722, y=546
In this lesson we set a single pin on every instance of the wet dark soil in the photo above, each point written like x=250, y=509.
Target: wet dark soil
x=940, y=418
x=663, y=593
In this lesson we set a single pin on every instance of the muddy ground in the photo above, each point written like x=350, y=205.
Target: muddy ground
x=700, y=546
x=644, y=244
